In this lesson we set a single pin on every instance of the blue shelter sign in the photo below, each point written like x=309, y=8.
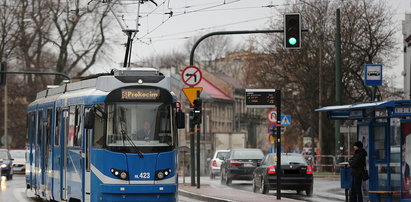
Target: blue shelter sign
x=373, y=74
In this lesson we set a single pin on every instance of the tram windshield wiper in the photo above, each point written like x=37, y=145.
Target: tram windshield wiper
x=124, y=133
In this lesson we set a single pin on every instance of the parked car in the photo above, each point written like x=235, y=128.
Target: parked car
x=19, y=162
x=6, y=164
x=240, y=164
x=296, y=174
x=216, y=161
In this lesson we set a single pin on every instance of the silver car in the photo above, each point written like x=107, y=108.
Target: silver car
x=216, y=161
x=19, y=162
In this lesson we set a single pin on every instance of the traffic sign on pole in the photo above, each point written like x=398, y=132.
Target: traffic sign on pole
x=272, y=116
x=373, y=74
x=191, y=94
x=191, y=76
x=285, y=120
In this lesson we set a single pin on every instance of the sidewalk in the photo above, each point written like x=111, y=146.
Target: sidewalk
x=212, y=193
x=212, y=190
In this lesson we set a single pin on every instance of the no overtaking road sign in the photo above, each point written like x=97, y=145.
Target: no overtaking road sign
x=191, y=76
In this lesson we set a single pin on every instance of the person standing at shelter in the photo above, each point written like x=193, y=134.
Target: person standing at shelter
x=357, y=164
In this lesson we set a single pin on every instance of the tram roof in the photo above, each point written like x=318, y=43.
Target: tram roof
x=109, y=82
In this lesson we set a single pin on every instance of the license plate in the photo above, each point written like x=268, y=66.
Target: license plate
x=248, y=165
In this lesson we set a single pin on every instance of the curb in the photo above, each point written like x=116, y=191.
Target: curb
x=329, y=197
x=202, y=197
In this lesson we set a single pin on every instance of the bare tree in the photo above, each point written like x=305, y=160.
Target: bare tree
x=7, y=27
x=367, y=37
x=79, y=29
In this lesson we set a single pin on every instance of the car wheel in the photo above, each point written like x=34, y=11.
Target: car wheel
x=309, y=191
x=254, y=186
x=227, y=179
x=222, y=177
x=212, y=176
x=263, y=187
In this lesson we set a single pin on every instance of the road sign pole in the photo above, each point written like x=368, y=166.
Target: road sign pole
x=198, y=148
x=279, y=171
x=192, y=157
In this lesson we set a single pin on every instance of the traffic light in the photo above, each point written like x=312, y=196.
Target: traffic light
x=2, y=75
x=197, y=112
x=292, y=30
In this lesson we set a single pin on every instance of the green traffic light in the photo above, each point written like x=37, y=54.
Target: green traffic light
x=292, y=41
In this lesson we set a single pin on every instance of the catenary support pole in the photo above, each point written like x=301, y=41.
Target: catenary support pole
x=338, y=139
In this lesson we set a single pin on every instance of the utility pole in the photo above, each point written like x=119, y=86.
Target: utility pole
x=338, y=143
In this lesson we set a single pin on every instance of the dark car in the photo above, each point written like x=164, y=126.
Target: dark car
x=240, y=164
x=296, y=174
x=6, y=164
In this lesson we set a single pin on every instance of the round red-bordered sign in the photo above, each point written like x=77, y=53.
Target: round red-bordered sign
x=191, y=76
x=272, y=116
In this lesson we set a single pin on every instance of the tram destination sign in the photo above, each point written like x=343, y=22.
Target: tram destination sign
x=260, y=98
x=140, y=94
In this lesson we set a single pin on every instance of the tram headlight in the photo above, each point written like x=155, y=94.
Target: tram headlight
x=122, y=174
x=161, y=174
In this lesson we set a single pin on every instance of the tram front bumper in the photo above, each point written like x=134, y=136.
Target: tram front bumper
x=156, y=192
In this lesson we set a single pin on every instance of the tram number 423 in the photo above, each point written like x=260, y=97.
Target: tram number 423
x=143, y=175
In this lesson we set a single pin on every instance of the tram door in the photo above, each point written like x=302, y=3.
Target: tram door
x=87, y=176
x=37, y=161
x=63, y=139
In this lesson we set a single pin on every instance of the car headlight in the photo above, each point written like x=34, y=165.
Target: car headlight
x=3, y=166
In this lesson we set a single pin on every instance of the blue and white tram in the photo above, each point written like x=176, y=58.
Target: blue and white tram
x=86, y=140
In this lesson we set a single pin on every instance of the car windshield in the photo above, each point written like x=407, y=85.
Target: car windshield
x=248, y=154
x=221, y=154
x=4, y=155
x=139, y=124
x=17, y=154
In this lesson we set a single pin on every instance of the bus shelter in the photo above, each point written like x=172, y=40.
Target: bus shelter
x=385, y=130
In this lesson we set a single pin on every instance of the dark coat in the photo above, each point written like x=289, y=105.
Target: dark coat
x=357, y=162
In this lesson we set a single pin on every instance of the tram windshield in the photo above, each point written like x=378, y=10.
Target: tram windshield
x=139, y=125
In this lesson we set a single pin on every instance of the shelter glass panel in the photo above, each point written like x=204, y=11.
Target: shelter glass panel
x=363, y=136
x=395, y=157
x=379, y=134
x=406, y=160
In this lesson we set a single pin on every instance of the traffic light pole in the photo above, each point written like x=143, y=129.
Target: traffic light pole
x=192, y=166
x=278, y=141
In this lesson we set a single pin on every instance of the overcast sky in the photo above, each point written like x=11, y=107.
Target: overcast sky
x=159, y=33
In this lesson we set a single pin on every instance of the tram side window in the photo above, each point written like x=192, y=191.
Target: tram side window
x=74, y=137
x=78, y=131
x=40, y=127
x=98, y=137
x=48, y=128
x=57, y=129
x=72, y=116
x=31, y=131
